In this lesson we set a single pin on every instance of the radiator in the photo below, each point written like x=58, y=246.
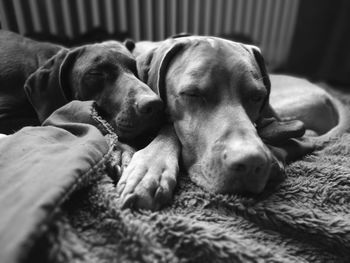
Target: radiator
x=270, y=23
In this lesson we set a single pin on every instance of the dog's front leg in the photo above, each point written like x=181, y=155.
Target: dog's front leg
x=149, y=180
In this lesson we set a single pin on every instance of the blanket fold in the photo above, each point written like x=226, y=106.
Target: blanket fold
x=40, y=167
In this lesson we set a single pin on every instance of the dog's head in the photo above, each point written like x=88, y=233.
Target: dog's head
x=216, y=92
x=105, y=73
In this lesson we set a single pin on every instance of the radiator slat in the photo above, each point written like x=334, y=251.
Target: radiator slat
x=161, y=14
x=82, y=16
x=4, y=14
x=149, y=18
x=35, y=15
x=109, y=16
x=184, y=27
x=219, y=15
x=135, y=19
x=249, y=18
x=196, y=17
x=238, y=16
x=68, y=26
x=96, y=20
x=229, y=17
x=51, y=17
x=121, y=13
x=207, y=17
x=20, y=17
x=258, y=18
x=172, y=10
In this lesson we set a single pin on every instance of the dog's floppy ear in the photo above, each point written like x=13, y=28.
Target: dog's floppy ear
x=43, y=89
x=266, y=110
x=129, y=44
x=65, y=73
x=48, y=87
x=153, y=64
x=276, y=132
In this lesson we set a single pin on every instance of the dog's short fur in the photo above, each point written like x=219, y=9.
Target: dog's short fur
x=221, y=122
x=36, y=78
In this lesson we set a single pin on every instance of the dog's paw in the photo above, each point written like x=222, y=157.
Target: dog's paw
x=149, y=180
x=120, y=159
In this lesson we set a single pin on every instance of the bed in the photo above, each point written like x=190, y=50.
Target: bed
x=304, y=219
x=78, y=219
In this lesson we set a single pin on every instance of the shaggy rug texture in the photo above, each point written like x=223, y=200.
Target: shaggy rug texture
x=304, y=219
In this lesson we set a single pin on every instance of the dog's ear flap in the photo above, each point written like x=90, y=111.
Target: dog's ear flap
x=43, y=88
x=278, y=130
x=266, y=110
x=143, y=64
x=65, y=73
x=279, y=133
x=153, y=65
x=48, y=87
x=129, y=44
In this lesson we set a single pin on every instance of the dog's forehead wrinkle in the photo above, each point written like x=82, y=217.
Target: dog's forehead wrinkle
x=244, y=72
x=206, y=74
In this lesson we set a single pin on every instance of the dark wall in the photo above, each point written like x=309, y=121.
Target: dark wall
x=321, y=43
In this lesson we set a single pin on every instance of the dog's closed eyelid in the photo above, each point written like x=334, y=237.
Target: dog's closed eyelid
x=95, y=73
x=191, y=93
x=105, y=72
x=257, y=96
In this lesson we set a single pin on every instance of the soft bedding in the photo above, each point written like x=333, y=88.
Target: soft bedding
x=304, y=219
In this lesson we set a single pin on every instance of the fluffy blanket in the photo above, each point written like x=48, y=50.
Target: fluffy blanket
x=304, y=219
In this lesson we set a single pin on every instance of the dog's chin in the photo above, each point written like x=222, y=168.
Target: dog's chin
x=128, y=132
x=125, y=132
x=213, y=181
x=222, y=182
x=220, y=185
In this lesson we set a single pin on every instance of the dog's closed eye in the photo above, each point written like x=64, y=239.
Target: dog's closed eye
x=193, y=94
x=190, y=90
x=256, y=98
x=95, y=73
x=93, y=81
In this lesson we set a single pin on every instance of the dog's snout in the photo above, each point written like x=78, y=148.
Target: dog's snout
x=249, y=166
x=149, y=105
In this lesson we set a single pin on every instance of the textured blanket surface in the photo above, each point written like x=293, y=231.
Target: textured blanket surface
x=304, y=219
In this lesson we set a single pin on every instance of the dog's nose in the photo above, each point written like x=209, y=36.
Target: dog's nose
x=249, y=166
x=149, y=105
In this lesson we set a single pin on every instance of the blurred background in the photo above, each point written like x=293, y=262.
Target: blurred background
x=309, y=38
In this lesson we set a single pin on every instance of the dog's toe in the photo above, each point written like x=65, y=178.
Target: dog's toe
x=129, y=201
x=146, y=188
x=152, y=192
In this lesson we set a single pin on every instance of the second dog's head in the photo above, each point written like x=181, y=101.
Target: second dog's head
x=105, y=73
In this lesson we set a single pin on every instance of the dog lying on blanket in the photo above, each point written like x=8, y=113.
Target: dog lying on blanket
x=221, y=122
x=37, y=78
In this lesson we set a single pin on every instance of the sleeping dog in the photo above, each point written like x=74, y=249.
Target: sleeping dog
x=37, y=78
x=221, y=123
